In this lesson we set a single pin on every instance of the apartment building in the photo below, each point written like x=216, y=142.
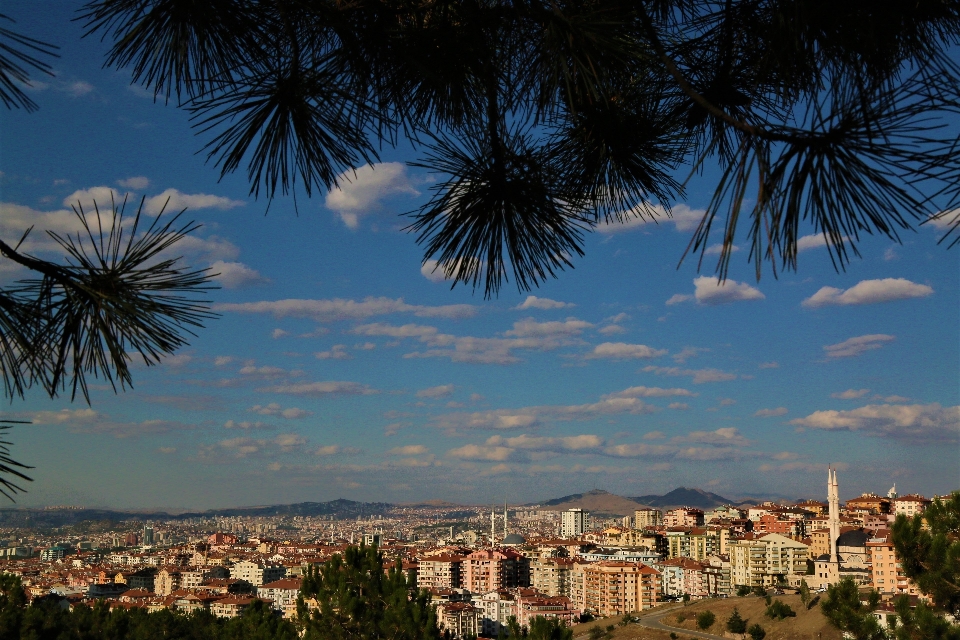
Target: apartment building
x=282, y=594
x=615, y=588
x=886, y=574
x=683, y=517
x=443, y=571
x=257, y=572
x=573, y=522
x=551, y=576
x=694, y=543
x=766, y=560
x=909, y=505
x=494, y=569
x=647, y=518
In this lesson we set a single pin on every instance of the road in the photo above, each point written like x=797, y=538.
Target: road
x=653, y=621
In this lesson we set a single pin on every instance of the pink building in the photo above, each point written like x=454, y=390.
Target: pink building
x=683, y=517
x=495, y=569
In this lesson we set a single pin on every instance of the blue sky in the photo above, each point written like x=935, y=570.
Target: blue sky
x=341, y=368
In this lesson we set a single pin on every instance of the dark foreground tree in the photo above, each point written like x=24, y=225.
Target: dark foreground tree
x=351, y=597
x=928, y=547
x=545, y=119
x=845, y=610
x=736, y=623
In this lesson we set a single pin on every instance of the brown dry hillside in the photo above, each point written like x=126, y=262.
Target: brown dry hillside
x=808, y=625
x=596, y=501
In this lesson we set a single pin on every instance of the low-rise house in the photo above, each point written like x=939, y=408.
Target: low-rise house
x=460, y=619
x=283, y=593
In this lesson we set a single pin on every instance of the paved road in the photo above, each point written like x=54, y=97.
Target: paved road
x=653, y=621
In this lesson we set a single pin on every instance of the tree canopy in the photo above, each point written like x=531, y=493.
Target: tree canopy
x=546, y=119
x=928, y=547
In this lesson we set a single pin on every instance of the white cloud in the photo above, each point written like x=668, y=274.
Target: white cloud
x=78, y=88
x=220, y=361
x=279, y=333
x=699, y=375
x=530, y=328
x=246, y=425
x=408, y=450
x=869, y=292
x=135, y=182
x=481, y=453
x=338, y=309
x=362, y=190
x=274, y=409
x=564, y=444
x=770, y=413
x=650, y=392
x=333, y=388
x=687, y=353
x=533, y=302
x=944, y=220
x=440, y=391
x=727, y=436
x=211, y=248
x=335, y=449
x=433, y=271
x=678, y=406
x=917, y=422
x=850, y=394
x=623, y=351
x=717, y=249
x=710, y=291
x=336, y=352
x=678, y=298
x=611, y=329
x=236, y=275
x=853, y=347
x=179, y=201
x=813, y=241
x=768, y=365
x=684, y=219
x=104, y=197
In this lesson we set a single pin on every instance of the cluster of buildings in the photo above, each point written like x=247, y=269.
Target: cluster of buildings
x=555, y=565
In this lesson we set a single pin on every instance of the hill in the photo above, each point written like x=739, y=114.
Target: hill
x=683, y=497
x=597, y=501
x=58, y=517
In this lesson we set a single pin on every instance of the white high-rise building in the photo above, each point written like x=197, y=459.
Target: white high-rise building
x=574, y=522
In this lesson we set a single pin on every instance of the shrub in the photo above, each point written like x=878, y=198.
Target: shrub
x=736, y=624
x=596, y=633
x=681, y=617
x=705, y=620
x=673, y=636
x=756, y=632
x=779, y=610
x=760, y=591
x=743, y=590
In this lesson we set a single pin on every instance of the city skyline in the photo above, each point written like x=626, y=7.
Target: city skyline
x=341, y=368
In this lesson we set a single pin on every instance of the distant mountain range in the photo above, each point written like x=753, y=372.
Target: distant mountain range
x=58, y=517
x=606, y=503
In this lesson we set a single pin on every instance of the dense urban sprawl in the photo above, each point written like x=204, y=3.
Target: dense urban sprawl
x=482, y=569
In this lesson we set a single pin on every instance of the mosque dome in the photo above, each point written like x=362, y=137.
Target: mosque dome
x=514, y=538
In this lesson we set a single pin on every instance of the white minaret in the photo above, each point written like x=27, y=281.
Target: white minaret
x=833, y=496
x=493, y=526
x=504, y=519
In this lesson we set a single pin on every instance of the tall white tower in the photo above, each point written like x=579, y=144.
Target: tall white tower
x=833, y=497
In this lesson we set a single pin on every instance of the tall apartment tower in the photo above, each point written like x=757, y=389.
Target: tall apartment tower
x=574, y=522
x=644, y=518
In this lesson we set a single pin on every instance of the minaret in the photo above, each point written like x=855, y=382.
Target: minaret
x=504, y=519
x=493, y=526
x=833, y=496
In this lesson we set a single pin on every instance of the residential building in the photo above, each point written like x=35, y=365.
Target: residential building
x=440, y=571
x=283, y=595
x=615, y=588
x=765, y=560
x=496, y=607
x=551, y=576
x=647, y=518
x=230, y=607
x=574, y=522
x=683, y=517
x=692, y=543
x=909, y=505
x=166, y=581
x=494, y=569
x=460, y=619
x=257, y=572
x=887, y=575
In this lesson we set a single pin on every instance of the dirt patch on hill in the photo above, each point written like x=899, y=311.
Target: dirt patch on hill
x=807, y=625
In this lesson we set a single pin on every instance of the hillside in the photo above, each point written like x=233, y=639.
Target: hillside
x=597, y=501
x=683, y=497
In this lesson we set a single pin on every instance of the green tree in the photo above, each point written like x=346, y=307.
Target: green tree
x=12, y=602
x=357, y=599
x=545, y=119
x=735, y=623
x=804, y=593
x=778, y=610
x=922, y=623
x=756, y=632
x=549, y=629
x=596, y=632
x=928, y=548
x=844, y=610
x=705, y=620
x=744, y=590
